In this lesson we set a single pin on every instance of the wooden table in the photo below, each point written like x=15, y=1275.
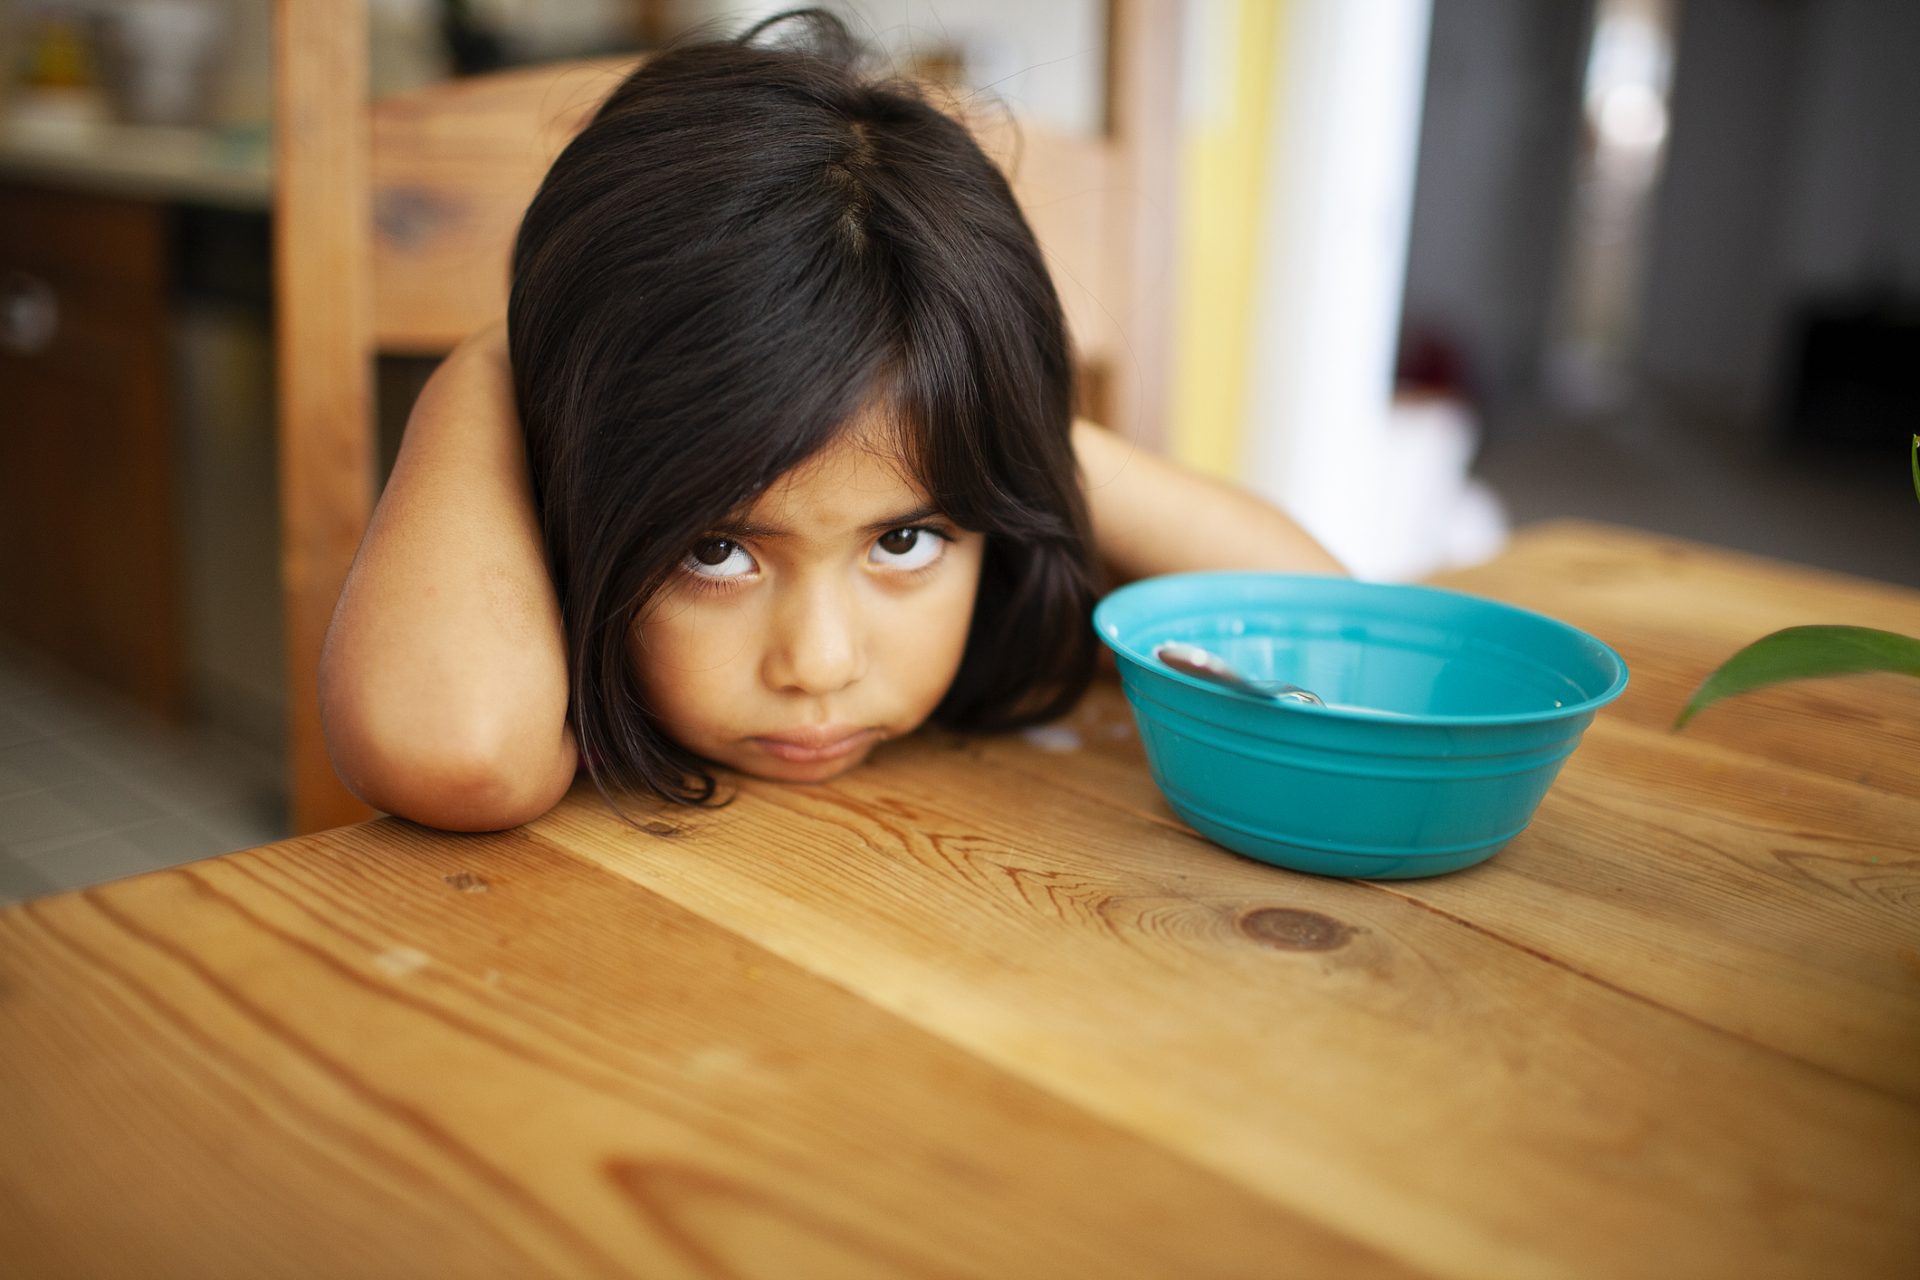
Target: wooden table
x=984, y=1008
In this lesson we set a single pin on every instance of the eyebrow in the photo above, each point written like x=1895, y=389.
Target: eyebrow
x=746, y=530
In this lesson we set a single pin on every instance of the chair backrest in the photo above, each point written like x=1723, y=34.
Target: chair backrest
x=394, y=219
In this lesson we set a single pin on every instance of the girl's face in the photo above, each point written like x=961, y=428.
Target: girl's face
x=833, y=615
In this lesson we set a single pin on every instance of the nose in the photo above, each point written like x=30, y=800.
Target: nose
x=817, y=647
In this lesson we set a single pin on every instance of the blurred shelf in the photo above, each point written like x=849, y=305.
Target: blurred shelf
x=226, y=168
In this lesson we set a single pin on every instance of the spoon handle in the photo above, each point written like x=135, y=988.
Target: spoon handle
x=1195, y=661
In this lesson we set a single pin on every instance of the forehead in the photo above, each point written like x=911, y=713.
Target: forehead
x=855, y=481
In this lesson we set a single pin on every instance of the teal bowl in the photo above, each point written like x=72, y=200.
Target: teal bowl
x=1448, y=718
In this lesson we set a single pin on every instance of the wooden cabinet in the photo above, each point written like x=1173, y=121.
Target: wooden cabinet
x=89, y=541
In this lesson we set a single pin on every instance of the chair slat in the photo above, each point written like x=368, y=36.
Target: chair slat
x=453, y=167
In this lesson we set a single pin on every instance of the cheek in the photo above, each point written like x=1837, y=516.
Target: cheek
x=925, y=649
x=690, y=666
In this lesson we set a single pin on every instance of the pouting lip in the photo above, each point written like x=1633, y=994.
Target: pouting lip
x=826, y=742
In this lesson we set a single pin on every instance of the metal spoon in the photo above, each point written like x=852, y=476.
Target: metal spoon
x=1195, y=661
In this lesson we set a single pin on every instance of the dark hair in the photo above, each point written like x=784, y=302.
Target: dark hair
x=747, y=246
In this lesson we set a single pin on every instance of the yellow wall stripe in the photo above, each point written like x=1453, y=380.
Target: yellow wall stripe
x=1223, y=170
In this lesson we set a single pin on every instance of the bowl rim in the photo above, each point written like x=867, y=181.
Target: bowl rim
x=1145, y=661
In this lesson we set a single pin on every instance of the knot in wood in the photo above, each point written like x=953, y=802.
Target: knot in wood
x=1290, y=929
x=411, y=216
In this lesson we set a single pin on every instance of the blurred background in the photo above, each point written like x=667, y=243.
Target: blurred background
x=1423, y=271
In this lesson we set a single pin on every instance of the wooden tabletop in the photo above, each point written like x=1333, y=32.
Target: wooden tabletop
x=985, y=1008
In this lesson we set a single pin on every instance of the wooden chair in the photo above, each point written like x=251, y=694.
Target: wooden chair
x=394, y=219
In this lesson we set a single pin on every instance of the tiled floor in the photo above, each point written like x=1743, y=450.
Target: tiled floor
x=92, y=790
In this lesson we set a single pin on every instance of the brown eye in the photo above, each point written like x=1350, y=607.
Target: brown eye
x=909, y=547
x=718, y=558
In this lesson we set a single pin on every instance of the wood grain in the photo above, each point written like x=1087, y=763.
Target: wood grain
x=1766, y=902
x=1424, y=1085
x=385, y=1046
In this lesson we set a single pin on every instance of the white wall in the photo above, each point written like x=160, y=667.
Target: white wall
x=1333, y=261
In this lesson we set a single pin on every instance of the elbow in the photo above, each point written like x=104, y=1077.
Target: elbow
x=470, y=778
x=457, y=791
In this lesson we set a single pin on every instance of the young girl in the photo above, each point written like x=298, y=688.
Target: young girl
x=772, y=460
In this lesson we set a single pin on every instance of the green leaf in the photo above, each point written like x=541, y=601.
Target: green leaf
x=1801, y=653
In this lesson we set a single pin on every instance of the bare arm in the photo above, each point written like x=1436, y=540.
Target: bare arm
x=1151, y=516
x=443, y=683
